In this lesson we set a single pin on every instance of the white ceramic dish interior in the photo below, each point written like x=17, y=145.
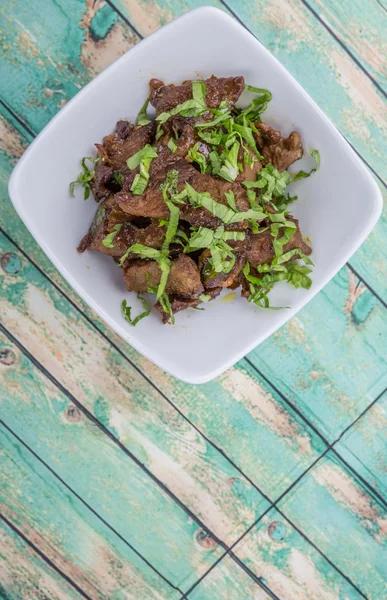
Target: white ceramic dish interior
x=337, y=207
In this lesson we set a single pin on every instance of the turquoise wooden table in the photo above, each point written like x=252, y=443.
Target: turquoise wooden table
x=120, y=482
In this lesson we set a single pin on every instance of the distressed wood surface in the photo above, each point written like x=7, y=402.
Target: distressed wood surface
x=67, y=531
x=25, y=575
x=346, y=523
x=289, y=565
x=139, y=462
x=364, y=446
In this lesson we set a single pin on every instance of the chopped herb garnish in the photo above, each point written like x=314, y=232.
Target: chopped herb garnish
x=205, y=297
x=85, y=176
x=142, y=158
x=189, y=108
x=196, y=156
x=172, y=145
x=302, y=174
x=126, y=310
x=231, y=200
x=229, y=169
x=118, y=178
x=108, y=240
x=142, y=118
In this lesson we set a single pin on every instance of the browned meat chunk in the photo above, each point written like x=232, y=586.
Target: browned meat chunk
x=119, y=148
x=165, y=97
x=280, y=152
x=177, y=303
x=249, y=173
x=183, y=279
x=285, y=153
x=262, y=250
x=152, y=204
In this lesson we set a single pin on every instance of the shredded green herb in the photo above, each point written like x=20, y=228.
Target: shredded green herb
x=142, y=118
x=85, y=176
x=302, y=174
x=126, y=311
x=142, y=158
x=108, y=240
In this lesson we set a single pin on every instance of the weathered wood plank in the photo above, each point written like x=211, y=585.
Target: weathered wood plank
x=370, y=261
x=100, y=472
x=330, y=359
x=228, y=581
x=40, y=72
x=133, y=411
x=302, y=44
x=361, y=27
x=24, y=575
x=364, y=446
x=257, y=431
x=247, y=419
x=280, y=556
x=349, y=525
x=67, y=532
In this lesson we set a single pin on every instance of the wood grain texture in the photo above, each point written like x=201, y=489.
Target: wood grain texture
x=24, y=575
x=331, y=377
x=370, y=261
x=349, y=525
x=330, y=359
x=68, y=533
x=100, y=472
x=115, y=394
x=361, y=27
x=364, y=446
x=227, y=581
x=41, y=72
x=280, y=556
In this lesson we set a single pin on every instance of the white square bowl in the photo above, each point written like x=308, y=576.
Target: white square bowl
x=337, y=209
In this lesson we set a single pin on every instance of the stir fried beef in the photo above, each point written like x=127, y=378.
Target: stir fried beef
x=183, y=279
x=165, y=97
x=193, y=202
x=278, y=151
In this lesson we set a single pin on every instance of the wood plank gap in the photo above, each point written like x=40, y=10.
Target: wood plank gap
x=330, y=446
x=96, y=422
x=88, y=506
x=370, y=288
x=124, y=18
x=345, y=48
x=381, y=4
x=44, y=557
x=18, y=119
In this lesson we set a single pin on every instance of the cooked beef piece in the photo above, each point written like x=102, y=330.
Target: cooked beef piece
x=178, y=303
x=285, y=153
x=249, y=173
x=119, y=148
x=108, y=215
x=281, y=152
x=151, y=204
x=183, y=279
x=165, y=97
x=262, y=250
x=220, y=280
x=123, y=129
x=267, y=135
x=101, y=184
x=99, y=229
